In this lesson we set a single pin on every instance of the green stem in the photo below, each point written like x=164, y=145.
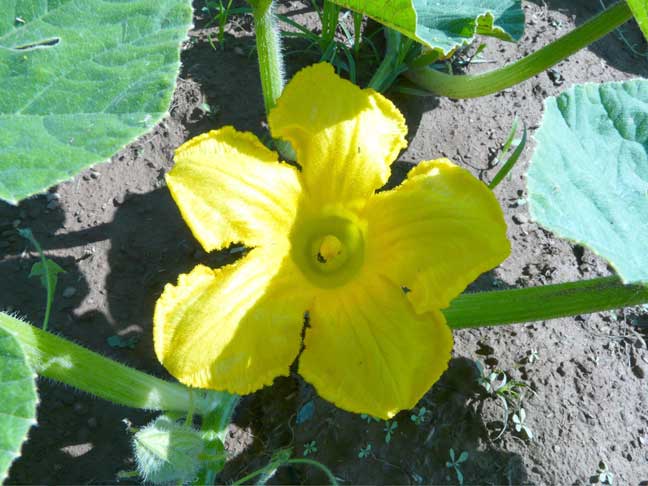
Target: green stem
x=214, y=426
x=271, y=63
x=275, y=464
x=318, y=465
x=541, y=303
x=471, y=86
x=69, y=363
x=27, y=233
x=268, y=41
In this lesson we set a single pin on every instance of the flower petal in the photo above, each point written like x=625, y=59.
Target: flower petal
x=234, y=328
x=435, y=233
x=231, y=189
x=368, y=352
x=345, y=137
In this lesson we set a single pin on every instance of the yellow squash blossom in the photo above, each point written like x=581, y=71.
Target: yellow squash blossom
x=372, y=270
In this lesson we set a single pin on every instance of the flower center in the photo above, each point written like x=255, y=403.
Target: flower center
x=329, y=250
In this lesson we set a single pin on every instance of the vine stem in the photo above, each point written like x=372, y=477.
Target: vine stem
x=61, y=360
x=472, y=86
x=268, y=42
x=511, y=306
x=271, y=62
x=74, y=365
x=214, y=427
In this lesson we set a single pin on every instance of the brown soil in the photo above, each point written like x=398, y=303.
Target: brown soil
x=120, y=238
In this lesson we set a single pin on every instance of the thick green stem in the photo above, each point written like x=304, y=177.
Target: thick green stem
x=471, y=86
x=69, y=363
x=541, y=303
x=268, y=41
x=271, y=63
x=215, y=426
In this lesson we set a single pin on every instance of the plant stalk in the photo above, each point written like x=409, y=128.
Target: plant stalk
x=268, y=42
x=27, y=234
x=271, y=62
x=69, y=363
x=74, y=365
x=499, y=307
x=472, y=86
x=214, y=427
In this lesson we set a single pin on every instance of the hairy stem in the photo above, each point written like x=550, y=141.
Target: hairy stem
x=482, y=309
x=268, y=41
x=74, y=365
x=214, y=427
x=271, y=62
x=472, y=86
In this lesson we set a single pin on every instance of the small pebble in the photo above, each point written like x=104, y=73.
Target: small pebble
x=520, y=218
x=199, y=254
x=80, y=408
x=69, y=292
x=639, y=372
x=555, y=76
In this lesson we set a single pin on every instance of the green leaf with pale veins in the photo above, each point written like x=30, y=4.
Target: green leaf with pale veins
x=18, y=400
x=80, y=79
x=445, y=24
x=640, y=11
x=588, y=179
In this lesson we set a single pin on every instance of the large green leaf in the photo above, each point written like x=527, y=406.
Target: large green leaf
x=588, y=179
x=445, y=24
x=80, y=79
x=640, y=11
x=18, y=400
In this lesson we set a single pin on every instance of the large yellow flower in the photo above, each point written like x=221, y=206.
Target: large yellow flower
x=372, y=270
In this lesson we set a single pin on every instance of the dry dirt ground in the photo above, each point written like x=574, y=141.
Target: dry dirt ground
x=120, y=238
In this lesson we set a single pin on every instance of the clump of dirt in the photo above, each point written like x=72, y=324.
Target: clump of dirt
x=120, y=238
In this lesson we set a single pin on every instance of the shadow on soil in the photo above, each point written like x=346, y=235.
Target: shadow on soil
x=150, y=246
x=415, y=454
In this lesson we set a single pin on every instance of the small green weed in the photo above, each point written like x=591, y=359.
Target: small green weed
x=419, y=417
x=603, y=474
x=310, y=448
x=365, y=451
x=46, y=269
x=455, y=463
x=496, y=384
x=390, y=428
x=519, y=419
x=369, y=418
x=532, y=356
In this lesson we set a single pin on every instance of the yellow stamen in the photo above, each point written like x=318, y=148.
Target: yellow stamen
x=330, y=247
